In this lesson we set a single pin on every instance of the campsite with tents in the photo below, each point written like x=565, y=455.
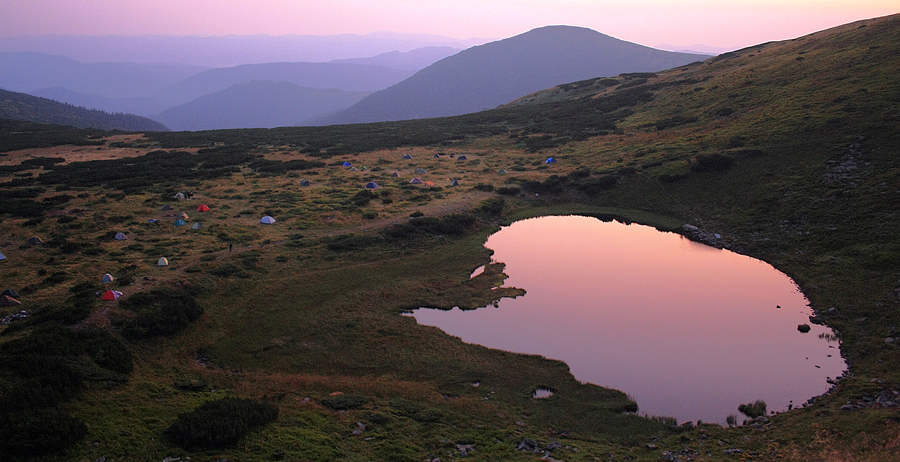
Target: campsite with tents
x=275, y=330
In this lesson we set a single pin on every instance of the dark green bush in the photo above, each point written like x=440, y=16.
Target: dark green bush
x=712, y=162
x=345, y=402
x=38, y=432
x=160, y=313
x=417, y=411
x=221, y=423
x=754, y=409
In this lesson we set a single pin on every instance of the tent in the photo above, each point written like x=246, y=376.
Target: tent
x=346, y=164
x=463, y=157
x=35, y=241
x=167, y=207
x=112, y=295
x=436, y=156
x=163, y=261
x=455, y=183
x=407, y=156
x=180, y=222
x=203, y=208
x=179, y=196
x=354, y=169
x=120, y=236
x=371, y=185
x=2, y=257
x=395, y=175
x=267, y=220
x=107, y=278
x=197, y=226
x=429, y=183
x=305, y=183
x=11, y=293
x=551, y=160
x=153, y=221
x=502, y=171
x=183, y=216
x=416, y=180
x=421, y=170
x=6, y=301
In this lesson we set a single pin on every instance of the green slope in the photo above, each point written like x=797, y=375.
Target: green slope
x=19, y=106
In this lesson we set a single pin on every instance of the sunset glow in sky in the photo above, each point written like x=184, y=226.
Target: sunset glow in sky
x=723, y=23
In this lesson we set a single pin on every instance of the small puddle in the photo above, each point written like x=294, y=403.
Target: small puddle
x=689, y=331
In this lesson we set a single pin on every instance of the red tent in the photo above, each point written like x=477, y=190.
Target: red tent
x=203, y=208
x=112, y=295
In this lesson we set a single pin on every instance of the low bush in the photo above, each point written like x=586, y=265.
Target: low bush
x=345, y=402
x=221, y=423
x=712, y=162
x=754, y=409
x=38, y=432
x=160, y=313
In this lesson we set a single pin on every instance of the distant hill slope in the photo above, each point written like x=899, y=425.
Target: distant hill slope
x=139, y=105
x=257, y=104
x=412, y=60
x=486, y=76
x=19, y=106
x=341, y=76
x=29, y=72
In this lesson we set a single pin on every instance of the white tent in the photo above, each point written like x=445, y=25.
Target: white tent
x=163, y=261
x=197, y=226
x=120, y=236
x=267, y=220
x=179, y=196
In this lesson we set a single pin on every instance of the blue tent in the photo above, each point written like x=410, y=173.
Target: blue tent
x=407, y=156
x=346, y=164
x=372, y=185
x=180, y=222
x=2, y=257
x=551, y=160
x=267, y=220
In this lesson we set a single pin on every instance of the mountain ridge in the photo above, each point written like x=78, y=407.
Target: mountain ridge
x=20, y=106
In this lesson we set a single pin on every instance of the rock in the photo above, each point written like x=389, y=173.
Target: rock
x=651, y=446
x=554, y=446
x=527, y=445
x=690, y=228
x=466, y=449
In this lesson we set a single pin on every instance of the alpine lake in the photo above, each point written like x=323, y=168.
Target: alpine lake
x=686, y=330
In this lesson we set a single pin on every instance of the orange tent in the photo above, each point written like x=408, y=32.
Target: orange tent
x=203, y=208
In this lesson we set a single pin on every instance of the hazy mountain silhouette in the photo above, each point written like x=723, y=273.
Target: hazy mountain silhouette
x=19, y=106
x=30, y=72
x=411, y=60
x=225, y=51
x=257, y=104
x=341, y=76
x=489, y=75
x=139, y=105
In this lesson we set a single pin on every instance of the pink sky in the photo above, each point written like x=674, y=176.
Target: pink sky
x=723, y=23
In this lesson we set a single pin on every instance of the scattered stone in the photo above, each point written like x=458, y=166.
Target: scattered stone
x=466, y=449
x=528, y=445
x=733, y=451
x=651, y=446
x=554, y=446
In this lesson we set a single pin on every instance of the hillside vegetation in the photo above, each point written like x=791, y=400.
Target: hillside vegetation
x=19, y=106
x=292, y=333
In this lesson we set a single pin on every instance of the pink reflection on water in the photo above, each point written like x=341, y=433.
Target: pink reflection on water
x=687, y=330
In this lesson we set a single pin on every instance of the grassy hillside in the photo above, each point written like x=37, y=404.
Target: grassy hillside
x=790, y=160
x=19, y=106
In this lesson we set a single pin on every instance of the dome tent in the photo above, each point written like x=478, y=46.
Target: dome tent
x=179, y=196
x=180, y=222
x=107, y=278
x=112, y=295
x=163, y=261
x=35, y=241
x=197, y=226
x=203, y=208
x=167, y=207
x=416, y=180
x=267, y=220
x=2, y=257
x=120, y=236
x=407, y=156
x=551, y=160
x=371, y=185
x=305, y=183
x=346, y=164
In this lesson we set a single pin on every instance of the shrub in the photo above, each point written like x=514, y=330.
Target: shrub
x=754, y=409
x=220, y=423
x=712, y=162
x=345, y=402
x=417, y=411
x=39, y=431
x=160, y=313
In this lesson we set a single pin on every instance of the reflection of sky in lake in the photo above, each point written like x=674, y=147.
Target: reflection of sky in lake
x=685, y=329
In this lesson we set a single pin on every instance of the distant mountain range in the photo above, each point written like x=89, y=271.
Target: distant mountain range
x=257, y=105
x=487, y=76
x=412, y=60
x=228, y=51
x=19, y=106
